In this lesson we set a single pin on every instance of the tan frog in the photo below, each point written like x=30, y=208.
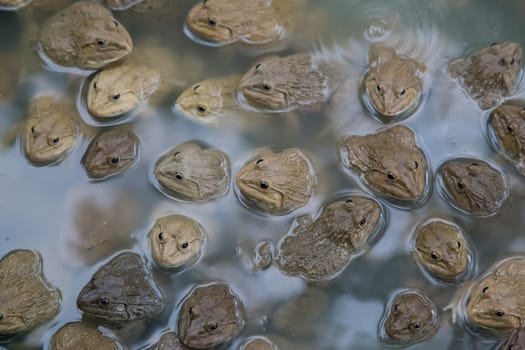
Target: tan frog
x=490, y=73
x=193, y=171
x=391, y=164
x=82, y=336
x=51, y=130
x=13, y=4
x=409, y=317
x=84, y=35
x=258, y=343
x=440, y=247
x=393, y=83
x=176, y=241
x=276, y=182
x=320, y=249
x=472, y=186
x=110, y=153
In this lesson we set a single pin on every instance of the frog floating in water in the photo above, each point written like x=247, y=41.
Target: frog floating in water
x=210, y=315
x=515, y=341
x=409, y=317
x=13, y=4
x=276, y=182
x=440, y=247
x=391, y=164
x=176, y=241
x=51, y=130
x=320, y=249
x=82, y=336
x=84, y=35
x=193, y=171
x=393, y=83
x=168, y=341
x=28, y=300
x=472, y=186
x=258, y=343
x=490, y=74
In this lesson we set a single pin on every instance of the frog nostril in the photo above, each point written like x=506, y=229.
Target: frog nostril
x=391, y=175
x=264, y=185
x=500, y=313
x=434, y=255
x=461, y=185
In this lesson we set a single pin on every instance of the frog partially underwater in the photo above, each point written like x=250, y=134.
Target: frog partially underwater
x=83, y=336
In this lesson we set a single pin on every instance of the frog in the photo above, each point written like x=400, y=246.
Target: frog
x=176, y=241
x=439, y=247
x=51, y=131
x=83, y=336
x=391, y=164
x=515, y=341
x=84, y=35
x=262, y=255
x=506, y=126
x=410, y=317
x=277, y=182
x=13, y=4
x=193, y=171
x=28, y=300
x=121, y=291
x=258, y=343
x=393, y=83
x=320, y=249
x=211, y=314
x=472, y=186
x=168, y=341
x=110, y=153
x=489, y=74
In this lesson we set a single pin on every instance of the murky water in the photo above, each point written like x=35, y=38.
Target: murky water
x=48, y=208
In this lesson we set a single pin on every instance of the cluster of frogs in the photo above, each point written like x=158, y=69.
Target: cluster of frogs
x=390, y=163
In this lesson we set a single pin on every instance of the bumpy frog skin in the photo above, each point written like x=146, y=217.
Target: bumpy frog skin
x=473, y=186
x=168, y=341
x=393, y=83
x=496, y=303
x=279, y=84
x=82, y=336
x=13, y=4
x=489, y=74
x=321, y=249
x=51, y=130
x=176, y=241
x=391, y=164
x=258, y=343
x=440, y=248
x=120, y=87
x=276, y=182
x=84, y=35
x=110, y=153
x=120, y=291
x=410, y=317
x=515, y=341
x=194, y=171
x=210, y=315
x=27, y=300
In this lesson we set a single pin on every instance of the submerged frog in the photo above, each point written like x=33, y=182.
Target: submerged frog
x=276, y=182
x=409, y=317
x=515, y=341
x=194, y=171
x=51, y=130
x=84, y=35
x=489, y=74
x=258, y=343
x=441, y=249
x=13, y=4
x=82, y=336
x=472, y=186
x=168, y=341
x=391, y=164
x=210, y=315
x=320, y=249
x=393, y=83
x=27, y=299
x=176, y=241
x=121, y=291
x=110, y=153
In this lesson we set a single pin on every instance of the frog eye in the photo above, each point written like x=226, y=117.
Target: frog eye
x=484, y=290
x=499, y=313
x=179, y=176
x=391, y=175
x=396, y=307
x=53, y=141
x=101, y=42
x=378, y=88
x=502, y=62
x=33, y=130
x=434, y=255
x=460, y=185
x=212, y=21
x=510, y=129
x=362, y=222
x=103, y=301
x=402, y=92
x=176, y=154
x=459, y=244
x=201, y=108
x=196, y=87
x=266, y=86
x=264, y=185
x=416, y=164
x=95, y=85
x=415, y=325
x=161, y=236
x=512, y=61
x=212, y=326
x=184, y=245
x=258, y=65
x=259, y=161
x=116, y=96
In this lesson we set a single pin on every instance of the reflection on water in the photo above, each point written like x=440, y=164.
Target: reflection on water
x=52, y=209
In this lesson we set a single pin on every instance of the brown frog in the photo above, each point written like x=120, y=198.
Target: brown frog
x=110, y=153
x=277, y=182
x=168, y=341
x=82, y=336
x=176, y=241
x=51, y=130
x=320, y=249
x=258, y=343
x=84, y=35
x=13, y=4
x=472, y=186
x=27, y=300
x=210, y=315
x=490, y=73
x=515, y=341
x=193, y=171
x=391, y=164
x=440, y=247
x=393, y=83
x=409, y=317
